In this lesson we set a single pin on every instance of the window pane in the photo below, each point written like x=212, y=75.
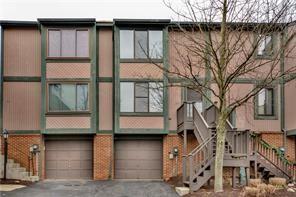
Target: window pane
x=68, y=43
x=265, y=45
x=141, y=89
x=261, y=102
x=82, y=43
x=55, y=101
x=82, y=97
x=141, y=48
x=54, y=43
x=141, y=104
x=126, y=97
x=269, y=102
x=155, y=97
x=155, y=44
x=68, y=97
x=193, y=96
x=126, y=44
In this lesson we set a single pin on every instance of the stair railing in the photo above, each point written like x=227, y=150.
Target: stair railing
x=200, y=158
x=275, y=157
x=29, y=158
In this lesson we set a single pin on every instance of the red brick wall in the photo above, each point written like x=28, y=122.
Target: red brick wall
x=103, y=157
x=19, y=148
x=276, y=139
x=169, y=166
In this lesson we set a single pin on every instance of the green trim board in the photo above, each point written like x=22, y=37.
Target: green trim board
x=104, y=79
x=1, y=75
x=104, y=131
x=68, y=131
x=165, y=80
x=140, y=80
x=94, y=86
x=291, y=132
x=24, y=132
x=43, y=79
x=116, y=85
x=67, y=60
x=21, y=79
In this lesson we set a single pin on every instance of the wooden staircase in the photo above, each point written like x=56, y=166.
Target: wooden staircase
x=241, y=150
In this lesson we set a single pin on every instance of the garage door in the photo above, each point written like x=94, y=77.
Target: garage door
x=71, y=159
x=138, y=159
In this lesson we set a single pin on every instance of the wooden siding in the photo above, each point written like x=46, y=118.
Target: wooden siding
x=21, y=105
x=175, y=101
x=105, y=106
x=71, y=122
x=68, y=70
x=105, y=53
x=22, y=52
x=290, y=107
x=141, y=122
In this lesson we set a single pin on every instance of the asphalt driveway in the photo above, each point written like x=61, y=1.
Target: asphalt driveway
x=95, y=188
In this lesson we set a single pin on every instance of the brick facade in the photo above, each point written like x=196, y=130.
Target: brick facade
x=103, y=157
x=169, y=165
x=19, y=149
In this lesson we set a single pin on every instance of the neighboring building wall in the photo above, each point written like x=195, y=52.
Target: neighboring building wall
x=68, y=70
x=103, y=157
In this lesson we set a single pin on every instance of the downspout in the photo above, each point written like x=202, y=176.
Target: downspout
x=1, y=76
x=282, y=88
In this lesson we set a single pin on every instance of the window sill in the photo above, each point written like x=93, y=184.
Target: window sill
x=68, y=58
x=264, y=57
x=262, y=117
x=141, y=60
x=142, y=114
x=72, y=113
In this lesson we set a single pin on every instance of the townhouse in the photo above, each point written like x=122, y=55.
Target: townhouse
x=85, y=92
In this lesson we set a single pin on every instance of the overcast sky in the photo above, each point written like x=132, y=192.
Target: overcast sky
x=99, y=9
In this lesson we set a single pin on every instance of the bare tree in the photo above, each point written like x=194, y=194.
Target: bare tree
x=222, y=41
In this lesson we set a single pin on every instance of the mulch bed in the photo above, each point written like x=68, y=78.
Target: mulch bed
x=15, y=182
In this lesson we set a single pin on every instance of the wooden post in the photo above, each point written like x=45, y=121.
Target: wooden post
x=233, y=177
x=247, y=176
x=184, y=165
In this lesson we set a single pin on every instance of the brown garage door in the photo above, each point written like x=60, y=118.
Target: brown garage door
x=138, y=159
x=71, y=159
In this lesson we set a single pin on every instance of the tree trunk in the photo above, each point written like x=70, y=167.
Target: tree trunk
x=220, y=145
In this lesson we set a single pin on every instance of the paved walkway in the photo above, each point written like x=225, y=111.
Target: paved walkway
x=94, y=188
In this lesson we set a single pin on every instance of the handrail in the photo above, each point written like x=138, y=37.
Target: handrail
x=272, y=155
x=30, y=158
x=199, y=147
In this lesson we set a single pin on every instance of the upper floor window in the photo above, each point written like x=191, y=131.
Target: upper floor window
x=195, y=97
x=265, y=102
x=141, y=44
x=68, y=97
x=141, y=97
x=265, y=45
x=68, y=43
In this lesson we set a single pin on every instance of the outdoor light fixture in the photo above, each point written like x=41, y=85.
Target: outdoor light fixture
x=5, y=134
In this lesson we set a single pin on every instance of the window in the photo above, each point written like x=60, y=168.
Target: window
x=265, y=45
x=141, y=97
x=196, y=97
x=265, y=102
x=68, y=97
x=68, y=43
x=140, y=44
